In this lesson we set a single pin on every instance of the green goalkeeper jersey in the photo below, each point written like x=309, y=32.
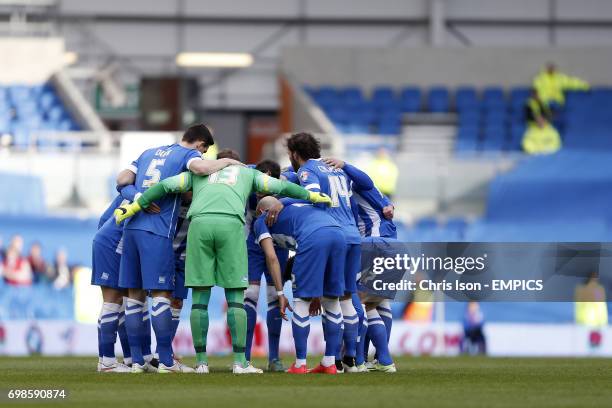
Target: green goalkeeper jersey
x=224, y=192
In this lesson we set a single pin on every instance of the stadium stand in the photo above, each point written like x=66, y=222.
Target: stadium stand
x=36, y=302
x=561, y=197
x=586, y=120
x=72, y=234
x=490, y=120
x=26, y=109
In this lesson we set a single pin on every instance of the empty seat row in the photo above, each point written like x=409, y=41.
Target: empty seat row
x=26, y=109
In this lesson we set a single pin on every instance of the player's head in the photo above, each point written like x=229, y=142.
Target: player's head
x=551, y=68
x=303, y=147
x=269, y=167
x=265, y=204
x=228, y=154
x=199, y=137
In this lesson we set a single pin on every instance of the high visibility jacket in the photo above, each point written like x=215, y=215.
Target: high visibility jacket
x=551, y=87
x=535, y=109
x=541, y=140
x=590, y=308
x=384, y=174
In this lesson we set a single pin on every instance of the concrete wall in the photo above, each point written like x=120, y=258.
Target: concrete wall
x=146, y=35
x=449, y=66
x=30, y=60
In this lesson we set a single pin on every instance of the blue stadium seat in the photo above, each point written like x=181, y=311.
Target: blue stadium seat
x=468, y=132
x=426, y=223
x=518, y=98
x=351, y=95
x=25, y=109
x=466, y=145
x=383, y=93
x=457, y=224
x=410, y=99
x=438, y=99
x=470, y=118
x=466, y=98
x=493, y=96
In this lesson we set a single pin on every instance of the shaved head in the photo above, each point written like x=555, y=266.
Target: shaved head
x=265, y=204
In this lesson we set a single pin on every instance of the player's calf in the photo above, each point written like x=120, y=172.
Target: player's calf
x=251, y=296
x=350, y=334
x=378, y=334
x=300, y=325
x=332, y=327
x=135, y=328
x=274, y=323
x=161, y=319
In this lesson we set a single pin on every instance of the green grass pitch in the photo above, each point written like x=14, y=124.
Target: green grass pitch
x=420, y=382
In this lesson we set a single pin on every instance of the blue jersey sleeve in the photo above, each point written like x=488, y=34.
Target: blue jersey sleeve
x=361, y=181
x=309, y=180
x=286, y=201
x=260, y=229
x=192, y=155
x=355, y=209
x=385, y=200
x=129, y=192
x=109, y=211
x=374, y=198
x=290, y=176
x=133, y=167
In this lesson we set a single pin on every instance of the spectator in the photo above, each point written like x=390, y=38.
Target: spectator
x=16, y=269
x=420, y=308
x=2, y=253
x=2, y=250
x=591, y=309
x=552, y=84
x=383, y=172
x=540, y=137
x=40, y=271
x=474, y=340
x=63, y=276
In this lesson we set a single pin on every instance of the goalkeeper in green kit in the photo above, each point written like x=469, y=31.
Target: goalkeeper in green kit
x=216, y=246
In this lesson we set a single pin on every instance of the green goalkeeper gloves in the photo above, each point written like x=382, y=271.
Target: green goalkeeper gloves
x=316, y=197
x=126, y=211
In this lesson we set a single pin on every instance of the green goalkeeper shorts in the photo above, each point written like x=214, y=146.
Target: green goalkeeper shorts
x=216, y=252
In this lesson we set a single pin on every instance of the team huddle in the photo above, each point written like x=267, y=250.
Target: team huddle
x=181, y=222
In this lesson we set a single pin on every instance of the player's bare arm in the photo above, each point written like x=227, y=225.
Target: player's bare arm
x=274, y=268
x=388, y=211
x=207, y=167
x=333, y=162
x=273, y=213
x=126, y=177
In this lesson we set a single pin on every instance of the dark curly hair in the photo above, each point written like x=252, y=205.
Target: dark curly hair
x=305, y=145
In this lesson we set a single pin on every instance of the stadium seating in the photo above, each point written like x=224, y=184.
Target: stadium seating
x=35, y=302
x=528, y=312
x=26, y=109
x=489, y=120
x=73, y=234
x=587, y=121
x=570, y=185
